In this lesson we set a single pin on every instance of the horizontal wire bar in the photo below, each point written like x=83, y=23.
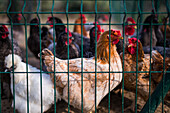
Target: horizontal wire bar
x=80, y=24
x=97, y=72
x=82, y=12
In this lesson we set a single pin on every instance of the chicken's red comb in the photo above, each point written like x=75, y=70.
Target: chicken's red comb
x=49, y=18
x=5, y=28
x=131, y=20
x=132, y=40
x=95, y=22
x=70, y=35
x=82, y=15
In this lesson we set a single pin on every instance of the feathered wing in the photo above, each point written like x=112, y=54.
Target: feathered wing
x=88, y=79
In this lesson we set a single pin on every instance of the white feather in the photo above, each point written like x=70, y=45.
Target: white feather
x=34, y=88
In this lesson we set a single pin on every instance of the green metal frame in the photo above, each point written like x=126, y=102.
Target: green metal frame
x=153, y=100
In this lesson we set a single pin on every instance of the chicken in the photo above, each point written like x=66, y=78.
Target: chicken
x=58, y=28
x=77, y=28
x=88, y=78
x=143, y=65
x=145, y=33
x=34, y=89
x=6, y=48
x=91, y=52
x=75, y=36
x=34, y=38
x=130, y=65
x=62, y=47
x=162, y=28
x=18, y=31
x=129, y=31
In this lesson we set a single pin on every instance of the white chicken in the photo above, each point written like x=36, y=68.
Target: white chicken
x=34, y=90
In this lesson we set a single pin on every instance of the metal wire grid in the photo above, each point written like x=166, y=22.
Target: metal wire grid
x=147, y=107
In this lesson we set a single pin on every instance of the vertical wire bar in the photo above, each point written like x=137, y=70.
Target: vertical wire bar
x=141, y=8
x=139, y=14
x=0, y=88
x=163, y=78
x=81, y=11
x=52, y=11
x=40, y=54
x=110, y=17
x=67, y=6
x=125, y=13
x=22, y=12
x=149, y=109
x=157, y=2
x=95, y=56
x=9, y=6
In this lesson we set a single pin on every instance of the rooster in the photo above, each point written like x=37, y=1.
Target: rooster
x=77, y=28
x=34, y=90
x=143, y=65
x=5, y=49
x=129, y=31
x=88, y=78
x=34, y=41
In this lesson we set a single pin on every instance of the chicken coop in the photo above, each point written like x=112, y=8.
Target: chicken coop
x=85, y=56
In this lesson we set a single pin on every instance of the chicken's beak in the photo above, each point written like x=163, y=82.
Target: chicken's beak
x=130, y=45
x=120, y=37
x=135, y=27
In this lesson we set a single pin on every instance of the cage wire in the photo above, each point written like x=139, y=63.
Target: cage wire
x=118, y=11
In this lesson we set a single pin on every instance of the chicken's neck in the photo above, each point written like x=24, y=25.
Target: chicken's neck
x=103, y=50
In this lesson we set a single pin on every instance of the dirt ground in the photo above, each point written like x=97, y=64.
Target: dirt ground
x=115, y=99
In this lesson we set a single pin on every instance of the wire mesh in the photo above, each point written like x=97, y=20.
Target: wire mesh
x=140, y=13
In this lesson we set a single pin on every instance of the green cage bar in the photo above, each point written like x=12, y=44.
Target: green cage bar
x=154, y=99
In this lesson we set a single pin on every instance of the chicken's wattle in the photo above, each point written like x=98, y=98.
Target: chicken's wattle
x=132, y=50
x=67, y=42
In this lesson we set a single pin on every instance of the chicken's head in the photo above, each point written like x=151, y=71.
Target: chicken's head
x=132, y=45
x=34, y=21
x=130, y=29
x=115, y=35
x=83, y=18
x=9, y=63
x=63, y=37
x=56, y=20
x=99, y=31
x=4, y=32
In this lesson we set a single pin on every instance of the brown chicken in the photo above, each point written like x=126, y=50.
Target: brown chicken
x=77, y=28
x=88, y=78
x=143, y=65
